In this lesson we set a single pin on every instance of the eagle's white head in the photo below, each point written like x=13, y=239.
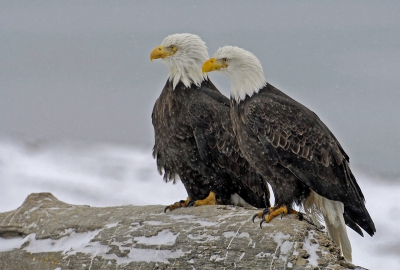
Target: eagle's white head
x=243, y=69
x=184, y=55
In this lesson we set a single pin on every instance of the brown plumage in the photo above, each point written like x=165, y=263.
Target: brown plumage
x=304, y=153
x=293, y=149
x=194, y=140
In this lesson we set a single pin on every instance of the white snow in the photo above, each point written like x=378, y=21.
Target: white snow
x=111, y=225
x=279, y=237
x=165, y=237
x=311, y=248
x=286, y=247
x=232, y=234
x=216, y=258
x=82, y=173
x=156, y=223
x=205, y=223
x=10, y=244
x=71, y=243
x=67, y=232
x=193, y=219
x=106, y=175
x=75, y=242
x=283, y=247
x=146, y=255
x=178, y=217
x=263, y=254
x=82, y=242
x=202, y=238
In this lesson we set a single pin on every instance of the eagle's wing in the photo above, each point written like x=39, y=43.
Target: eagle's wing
x=294, y=136
x=218, y=148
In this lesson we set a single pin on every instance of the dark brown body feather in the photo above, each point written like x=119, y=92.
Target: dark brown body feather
x=194, y=140
x=287, y=143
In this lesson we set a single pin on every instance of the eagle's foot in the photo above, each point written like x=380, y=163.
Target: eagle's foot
x=179, y=204
x=210, y=200
x=261, y=214
x=276, y=211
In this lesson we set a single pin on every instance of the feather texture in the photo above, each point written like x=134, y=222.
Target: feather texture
x=194, y=140
x=291, y=147
x=185, y=65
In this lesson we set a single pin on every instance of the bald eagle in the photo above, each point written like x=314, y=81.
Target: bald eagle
x=293, y=149
x=194, y=140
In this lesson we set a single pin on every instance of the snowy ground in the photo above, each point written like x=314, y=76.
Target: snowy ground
x=107, y=175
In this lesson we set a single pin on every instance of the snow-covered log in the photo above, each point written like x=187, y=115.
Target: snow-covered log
x=45, y=233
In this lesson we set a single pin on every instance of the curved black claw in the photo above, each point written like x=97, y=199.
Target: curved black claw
x=301, y=217
x=265, y=213
x=190, y=203
x=176, y=205
x=256, y=215
x=261, y=222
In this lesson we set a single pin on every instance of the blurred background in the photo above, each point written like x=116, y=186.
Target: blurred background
x=77, y=89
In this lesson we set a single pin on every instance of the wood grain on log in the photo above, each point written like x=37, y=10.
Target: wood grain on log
x=45, y=233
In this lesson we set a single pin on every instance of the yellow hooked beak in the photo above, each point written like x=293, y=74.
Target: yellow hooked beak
x=161, y=52
x=213, y=64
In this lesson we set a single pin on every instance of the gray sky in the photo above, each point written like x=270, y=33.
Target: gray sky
x=81, y=70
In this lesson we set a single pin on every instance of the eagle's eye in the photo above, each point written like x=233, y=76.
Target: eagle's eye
x=225, y=59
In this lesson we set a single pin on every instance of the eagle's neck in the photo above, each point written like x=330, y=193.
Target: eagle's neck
x=187, y=71
x=246, y=83
x=187, y=76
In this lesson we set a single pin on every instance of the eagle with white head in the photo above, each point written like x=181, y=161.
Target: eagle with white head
x=183, y=54
x=194, y=140
x=293, y=149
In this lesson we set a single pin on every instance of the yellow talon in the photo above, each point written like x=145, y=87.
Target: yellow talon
x=210, y=200
x=176, y=205
x=274, y=212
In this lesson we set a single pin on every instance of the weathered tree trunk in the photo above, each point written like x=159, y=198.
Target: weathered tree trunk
x=45, y=233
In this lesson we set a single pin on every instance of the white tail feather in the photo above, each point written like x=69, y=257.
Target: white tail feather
x=317, y=207
x=238, y=201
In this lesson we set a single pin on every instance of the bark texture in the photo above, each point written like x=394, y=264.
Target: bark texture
x=45, y=233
